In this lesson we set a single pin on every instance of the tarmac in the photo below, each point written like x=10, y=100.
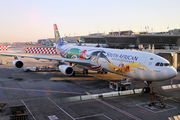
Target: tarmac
x=54, y=96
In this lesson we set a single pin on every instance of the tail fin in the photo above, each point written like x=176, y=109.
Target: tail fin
x=57, y=35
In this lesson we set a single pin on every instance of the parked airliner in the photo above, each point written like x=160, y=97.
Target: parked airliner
x=133, y=64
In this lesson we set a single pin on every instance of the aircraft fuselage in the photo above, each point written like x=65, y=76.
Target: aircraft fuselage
x=134, y=64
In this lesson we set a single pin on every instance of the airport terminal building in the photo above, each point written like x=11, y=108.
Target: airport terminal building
x=130, y=39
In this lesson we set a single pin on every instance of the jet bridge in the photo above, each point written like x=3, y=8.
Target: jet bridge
x=173, y=58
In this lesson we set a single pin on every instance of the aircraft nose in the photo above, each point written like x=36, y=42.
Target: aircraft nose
x=173, y=72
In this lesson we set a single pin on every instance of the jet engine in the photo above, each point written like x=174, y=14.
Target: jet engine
x=66, y=69
x=18, y=63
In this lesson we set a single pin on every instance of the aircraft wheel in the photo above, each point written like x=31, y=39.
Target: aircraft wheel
x=146, y=89
x=86, y=71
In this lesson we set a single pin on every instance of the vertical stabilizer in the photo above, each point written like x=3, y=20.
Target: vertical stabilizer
x=57, y=35
x=56, y=32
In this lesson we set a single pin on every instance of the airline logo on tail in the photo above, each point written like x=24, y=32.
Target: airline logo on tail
x=57, y=36
x=56, y=32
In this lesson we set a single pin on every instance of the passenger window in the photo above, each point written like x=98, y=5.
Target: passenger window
x=157, y=64
x=166, y=64
x=161, y=64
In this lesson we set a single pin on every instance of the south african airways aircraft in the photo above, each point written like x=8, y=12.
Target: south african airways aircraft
x=133, y=64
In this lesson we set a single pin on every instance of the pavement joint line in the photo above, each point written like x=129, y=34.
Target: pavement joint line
x=28, y=110
x=35, y=98
x=24, y=99
x=111, y=106
x=36, y=90
x=61, y=108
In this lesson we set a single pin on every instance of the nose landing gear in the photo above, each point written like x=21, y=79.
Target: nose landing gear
x=147, y=88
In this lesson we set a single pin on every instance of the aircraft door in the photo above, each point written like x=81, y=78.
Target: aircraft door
x=141, y=63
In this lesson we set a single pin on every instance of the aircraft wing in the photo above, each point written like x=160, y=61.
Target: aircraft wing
x=80, y=62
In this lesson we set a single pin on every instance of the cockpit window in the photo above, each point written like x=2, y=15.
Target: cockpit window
x=157, y=64
x=166, y=64
x=161, y=64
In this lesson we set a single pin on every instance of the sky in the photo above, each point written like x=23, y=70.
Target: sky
x=30, y=20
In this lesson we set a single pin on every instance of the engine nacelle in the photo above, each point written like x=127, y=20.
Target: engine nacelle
x=18, y=63
x=66, y=69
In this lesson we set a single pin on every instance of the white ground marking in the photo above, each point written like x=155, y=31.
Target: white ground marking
x=53, y=117
x=61, y=109
x=28, y=110
x=154, y=108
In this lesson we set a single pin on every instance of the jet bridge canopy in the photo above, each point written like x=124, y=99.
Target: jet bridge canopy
x=167, y=56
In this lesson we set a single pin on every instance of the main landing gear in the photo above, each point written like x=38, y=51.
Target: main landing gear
x=147, y=88
x=85, y=71
x=102, y=72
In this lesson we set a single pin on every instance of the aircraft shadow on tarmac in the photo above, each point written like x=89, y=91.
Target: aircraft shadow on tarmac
x=19, y=75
